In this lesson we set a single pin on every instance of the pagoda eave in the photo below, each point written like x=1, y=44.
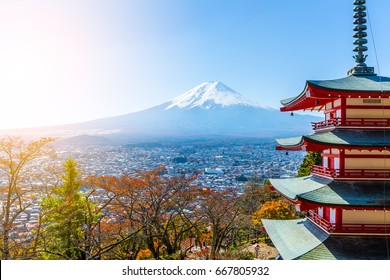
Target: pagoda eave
x=294, y=238
x=312, y=146
x=306, y=146
x=307, y=204
x=338, y=138
x=317, y=93
x=292, y=187
x=309, y=99
x=312, y=191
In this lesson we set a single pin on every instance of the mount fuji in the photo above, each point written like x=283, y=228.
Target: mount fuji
x=210, y=109
x=210, y=95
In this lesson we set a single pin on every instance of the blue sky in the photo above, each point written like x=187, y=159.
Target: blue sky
x=76, y=60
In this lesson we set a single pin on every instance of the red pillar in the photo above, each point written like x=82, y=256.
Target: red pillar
x=339, y=217
x=343, y=109
x=342, y=161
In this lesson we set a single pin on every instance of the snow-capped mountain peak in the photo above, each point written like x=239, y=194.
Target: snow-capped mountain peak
x=207, y=95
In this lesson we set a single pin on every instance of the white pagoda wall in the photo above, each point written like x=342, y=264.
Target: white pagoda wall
x=379, y=160
x=367, y=163
x=365, y=217
x=375, y=113
x=367, y=114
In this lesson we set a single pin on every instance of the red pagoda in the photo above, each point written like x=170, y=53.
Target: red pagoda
x=346, y=198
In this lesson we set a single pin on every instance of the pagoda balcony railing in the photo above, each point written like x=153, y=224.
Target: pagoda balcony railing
x=352, y=122
x=347, y=228
x=320, y=221
x=350, y=173
x=362, y=228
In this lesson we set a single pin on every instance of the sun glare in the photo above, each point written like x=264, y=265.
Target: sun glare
x=37, y=67
x=24, y=86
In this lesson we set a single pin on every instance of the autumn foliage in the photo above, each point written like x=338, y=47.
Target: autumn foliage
x=15, y=156
x=274, y=209
x=145, y=215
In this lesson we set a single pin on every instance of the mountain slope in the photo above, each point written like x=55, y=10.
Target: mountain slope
x=208, y=110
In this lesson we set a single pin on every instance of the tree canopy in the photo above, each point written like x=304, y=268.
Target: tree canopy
x=134, y=216
x=66, y=216
x=15, y=158
x=310, y=159
x=274, y=209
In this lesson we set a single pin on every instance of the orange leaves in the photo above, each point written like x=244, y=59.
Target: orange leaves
x=144, y=254
x=15, y=156
x=144, y=208
x=222, y=214
x=203, y=253
x=274, y=209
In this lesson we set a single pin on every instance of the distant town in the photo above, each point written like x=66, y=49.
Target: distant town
x=220, y=165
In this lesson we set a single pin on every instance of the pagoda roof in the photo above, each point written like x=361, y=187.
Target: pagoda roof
x=336, y=138
x=317, y=93
x=349, y=248
x=356, y=84
x=292, y=187
x=300, y=239
x=294, y=238
x=337, y=193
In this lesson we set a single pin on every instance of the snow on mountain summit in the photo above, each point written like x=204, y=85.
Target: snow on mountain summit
x=208, y=94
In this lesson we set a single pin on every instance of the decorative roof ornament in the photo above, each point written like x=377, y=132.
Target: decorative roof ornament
x=360, y=35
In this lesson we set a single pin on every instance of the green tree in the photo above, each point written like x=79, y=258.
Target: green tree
x=67, y=216
x=311, y=158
